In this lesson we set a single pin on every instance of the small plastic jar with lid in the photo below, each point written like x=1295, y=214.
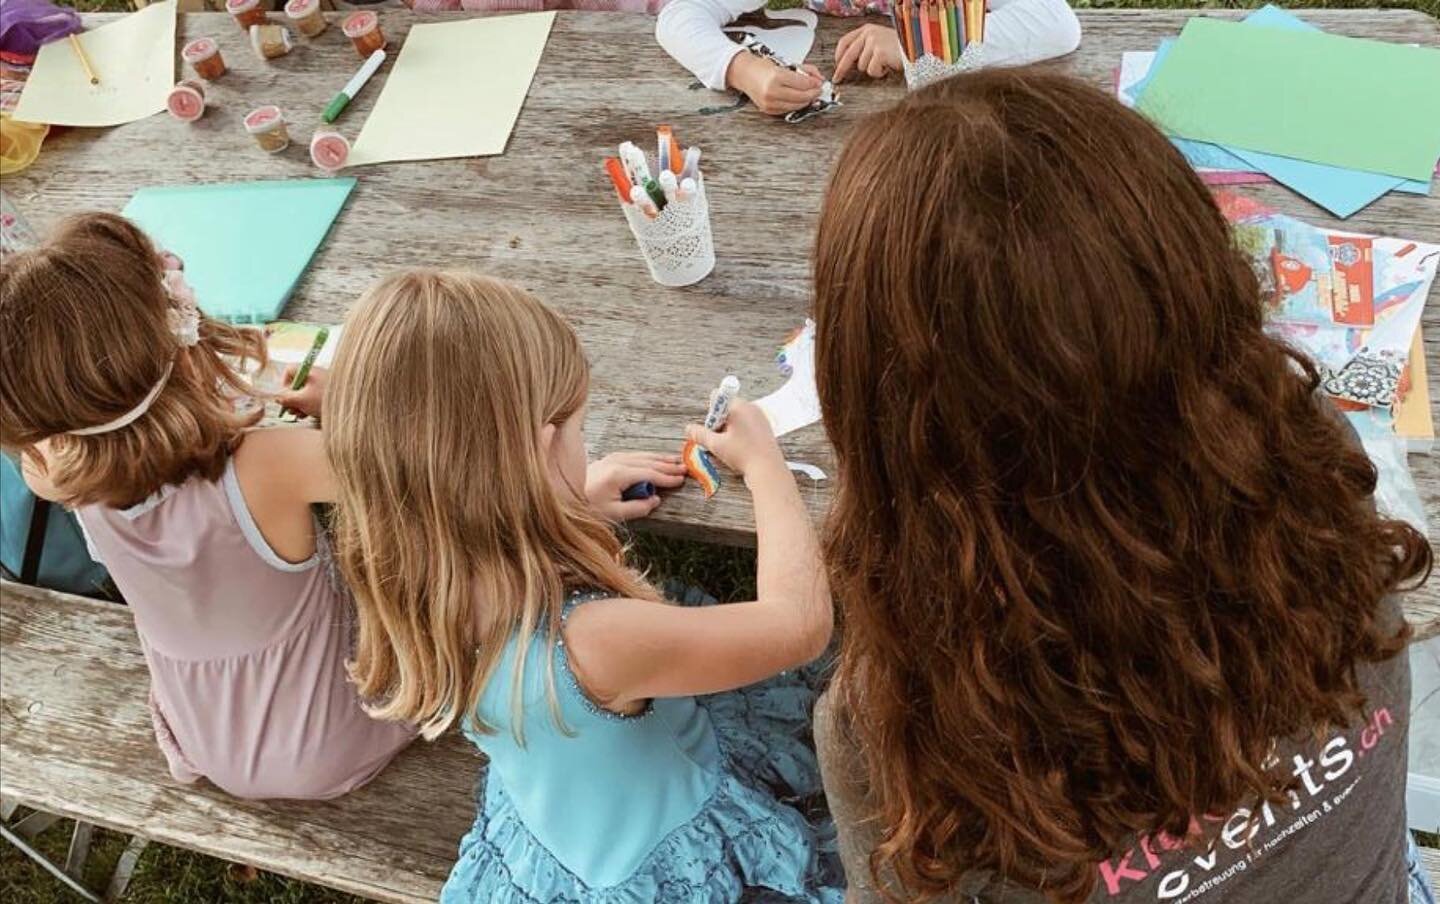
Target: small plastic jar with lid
x=306, y=16
x=363, y=30
x=270, y=41
x=267, y=126
x=186, y=101
x=203, y=55
x=247, y=12
x=329, y=150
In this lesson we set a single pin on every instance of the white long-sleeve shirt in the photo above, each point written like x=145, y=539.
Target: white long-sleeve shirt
x=1016, y=31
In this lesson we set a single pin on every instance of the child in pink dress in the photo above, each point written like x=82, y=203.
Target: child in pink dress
x=121, y=398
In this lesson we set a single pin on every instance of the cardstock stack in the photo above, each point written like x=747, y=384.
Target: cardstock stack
x=1341, y=159
x=244, y=244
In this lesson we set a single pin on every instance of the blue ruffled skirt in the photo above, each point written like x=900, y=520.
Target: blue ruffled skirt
x=751, y=841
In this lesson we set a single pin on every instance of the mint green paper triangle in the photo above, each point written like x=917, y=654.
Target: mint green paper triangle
x=244, y=244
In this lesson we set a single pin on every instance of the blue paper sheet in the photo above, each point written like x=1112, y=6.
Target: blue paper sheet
x=1340, y=191
x=244, y=244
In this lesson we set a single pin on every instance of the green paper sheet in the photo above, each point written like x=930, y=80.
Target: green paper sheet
x=244, y=244
x=1365, y=105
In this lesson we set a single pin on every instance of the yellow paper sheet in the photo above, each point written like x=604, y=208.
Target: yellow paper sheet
x=456, y=90
x=134, y=59
x=1412, y=413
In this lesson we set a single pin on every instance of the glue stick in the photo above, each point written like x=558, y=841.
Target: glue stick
x=246, y=12
x=306, y=16
x=270, y=41
x=363, y=30
x=203, y=55
x=186, y=101
x=267, y=125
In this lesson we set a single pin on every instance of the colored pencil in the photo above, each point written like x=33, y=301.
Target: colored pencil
x=956, y=41
x=924, y=17
x=942, y=19
x=84, y=60
x=908, y=12
x=935, y=43
x=916, y=44
x=897, y=18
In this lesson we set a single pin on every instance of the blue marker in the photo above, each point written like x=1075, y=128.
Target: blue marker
x=636, y=491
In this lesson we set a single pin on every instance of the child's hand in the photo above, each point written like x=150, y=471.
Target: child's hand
x=308, y=399
x=607, y=478
x=774, y=89
x=871, y=49
x=746, y=443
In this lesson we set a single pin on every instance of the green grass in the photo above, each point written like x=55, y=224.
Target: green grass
x=170, y=876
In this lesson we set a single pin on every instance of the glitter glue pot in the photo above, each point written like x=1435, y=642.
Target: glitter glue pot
x=246, y=12
x=267, y=126
x=270, y=41
x=363, y=30
x=186, y=101
x=204, y=57
x=306, y=16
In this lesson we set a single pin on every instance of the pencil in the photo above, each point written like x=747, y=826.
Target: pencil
x=84, y=60
x=942, y=17
x=917, y=47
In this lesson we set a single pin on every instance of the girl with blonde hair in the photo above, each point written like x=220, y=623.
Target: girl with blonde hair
x=493, y=595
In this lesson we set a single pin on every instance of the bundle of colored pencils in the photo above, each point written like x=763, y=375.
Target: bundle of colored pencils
x=938, y=28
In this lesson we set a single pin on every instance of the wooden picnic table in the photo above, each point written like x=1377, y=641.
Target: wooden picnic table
x=543, y=213
x=77, y=736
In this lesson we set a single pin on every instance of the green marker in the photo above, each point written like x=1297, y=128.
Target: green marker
x=303, y=373
x=352, y=87
x=656, y=195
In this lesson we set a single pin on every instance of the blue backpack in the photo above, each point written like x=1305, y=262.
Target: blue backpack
x=41, y=543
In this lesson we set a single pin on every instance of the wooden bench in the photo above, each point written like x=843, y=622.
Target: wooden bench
x=78, y=742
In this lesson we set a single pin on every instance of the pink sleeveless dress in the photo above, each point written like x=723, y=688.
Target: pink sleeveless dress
x=246, y=651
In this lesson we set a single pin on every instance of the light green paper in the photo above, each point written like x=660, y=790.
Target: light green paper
x=1365, y=105
x=244, y=244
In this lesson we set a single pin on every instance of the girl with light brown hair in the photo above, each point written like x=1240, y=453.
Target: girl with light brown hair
x=493, y=596
x=1119, y=615
x=121, y=398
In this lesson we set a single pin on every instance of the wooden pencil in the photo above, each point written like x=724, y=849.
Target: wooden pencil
x=84, y=60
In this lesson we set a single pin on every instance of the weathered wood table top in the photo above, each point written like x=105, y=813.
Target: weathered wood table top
x=543, y=213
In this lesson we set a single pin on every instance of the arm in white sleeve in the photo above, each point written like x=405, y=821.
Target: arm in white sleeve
x=1018, y=32
x=690, y=31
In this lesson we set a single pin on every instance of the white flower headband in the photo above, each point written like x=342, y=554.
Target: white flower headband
x=184, y=317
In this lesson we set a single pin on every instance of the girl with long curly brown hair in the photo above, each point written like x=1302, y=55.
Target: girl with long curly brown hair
x=1119, y=615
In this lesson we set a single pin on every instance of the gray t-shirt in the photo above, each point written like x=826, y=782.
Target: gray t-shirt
x=1339, y=838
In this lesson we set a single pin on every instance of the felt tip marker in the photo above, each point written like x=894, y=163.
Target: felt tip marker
x=635, y=165
x=642, y=202
x=338, y=102
x=643, y=490
x=720, y=401
x=691, y=169
x=616, y=169
x=669, y=186
x=303, y=372
x=687, y=189
x=653, y=190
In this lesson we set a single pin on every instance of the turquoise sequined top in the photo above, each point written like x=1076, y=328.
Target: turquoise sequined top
x=682, y=802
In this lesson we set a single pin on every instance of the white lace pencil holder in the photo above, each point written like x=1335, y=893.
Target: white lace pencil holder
x=929, y=68
x=677, y=244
